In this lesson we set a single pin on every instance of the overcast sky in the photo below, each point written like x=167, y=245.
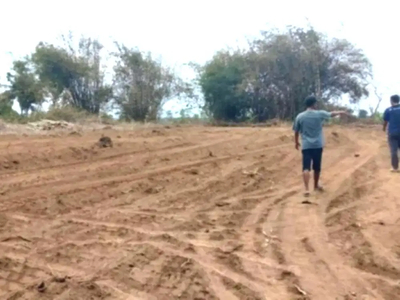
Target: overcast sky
x=182, y=31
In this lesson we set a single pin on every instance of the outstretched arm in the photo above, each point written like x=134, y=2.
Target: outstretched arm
x=339, y=113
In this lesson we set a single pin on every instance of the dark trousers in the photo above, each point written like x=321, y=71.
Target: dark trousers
x=314, y=157
x=394, y=145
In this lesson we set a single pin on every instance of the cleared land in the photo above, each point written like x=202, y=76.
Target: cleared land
x=196, y=213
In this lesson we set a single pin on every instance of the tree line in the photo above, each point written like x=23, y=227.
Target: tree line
x=269, y=78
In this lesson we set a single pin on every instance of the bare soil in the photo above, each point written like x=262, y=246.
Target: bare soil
x=196, y=213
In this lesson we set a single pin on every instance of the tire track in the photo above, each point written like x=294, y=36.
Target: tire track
x=302, y=240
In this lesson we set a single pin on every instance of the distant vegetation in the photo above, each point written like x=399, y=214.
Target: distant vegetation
x=269, y=79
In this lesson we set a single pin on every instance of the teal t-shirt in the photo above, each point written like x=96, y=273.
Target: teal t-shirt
x=309, y=125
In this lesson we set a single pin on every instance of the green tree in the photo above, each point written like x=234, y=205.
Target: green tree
x=273, y=77
x=24, y=87
x=362, y=114
x=6, y=103
x=74, y=77
x=142, y=84
x=220, y=80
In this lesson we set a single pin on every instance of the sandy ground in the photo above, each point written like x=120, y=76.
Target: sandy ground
x=196, y=213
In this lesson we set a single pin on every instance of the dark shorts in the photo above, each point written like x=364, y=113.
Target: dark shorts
x=313, y=156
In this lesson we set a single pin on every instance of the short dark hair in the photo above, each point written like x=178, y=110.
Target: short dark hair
x=395, y=98
x=310, y=101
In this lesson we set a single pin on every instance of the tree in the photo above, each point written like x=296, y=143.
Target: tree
x=24, y=87
x=220, y=80
x=6, y=103
x=142, y=84
x=362, y=114
x=273, y=77
x=76, y=76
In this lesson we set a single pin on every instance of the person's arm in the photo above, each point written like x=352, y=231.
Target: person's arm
x=296, y=140
x=385, y=120
x=296, y=129
x=339, y=113
x=385, y=123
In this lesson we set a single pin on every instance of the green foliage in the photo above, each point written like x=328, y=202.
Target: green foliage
x=24, y=86
x=276, y=74
x=378, y=117
x=362, y=114
x=67, y=113
x=76, y=75
x=220, y=80
x=6, y=111
x=143, y=84
x=268, y=80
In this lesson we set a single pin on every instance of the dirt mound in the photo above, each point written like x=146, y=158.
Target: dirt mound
x=51, y=125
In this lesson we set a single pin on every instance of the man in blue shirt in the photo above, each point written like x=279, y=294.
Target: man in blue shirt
x=392, y=117
x=309, y=124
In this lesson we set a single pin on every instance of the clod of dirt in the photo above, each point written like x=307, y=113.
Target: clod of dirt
x=153, y=190
x=105, y=142
x=216, y=236
x=60, y=279
x=41, y=287
x=190, y=249
x=356, y=155
x=158, y=132
x=75, y=133
x=335, y=134
x=308, y=202
x=193, y=172
x=118, y=136
x=221, y=203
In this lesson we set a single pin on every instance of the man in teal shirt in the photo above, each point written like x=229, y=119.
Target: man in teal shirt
x=309, y=124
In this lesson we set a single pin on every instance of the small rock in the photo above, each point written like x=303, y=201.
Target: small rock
x=59, y=279
x=356, y=155
x=105, y=142
x=193, y=172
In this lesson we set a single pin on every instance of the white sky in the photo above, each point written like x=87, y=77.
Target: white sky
x=183, y=31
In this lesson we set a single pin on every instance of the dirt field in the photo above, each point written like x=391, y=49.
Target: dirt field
x=196, y=213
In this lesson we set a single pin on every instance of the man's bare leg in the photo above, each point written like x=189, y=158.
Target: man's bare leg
x=306, y=178
x=317, y=186
x=316, y=180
